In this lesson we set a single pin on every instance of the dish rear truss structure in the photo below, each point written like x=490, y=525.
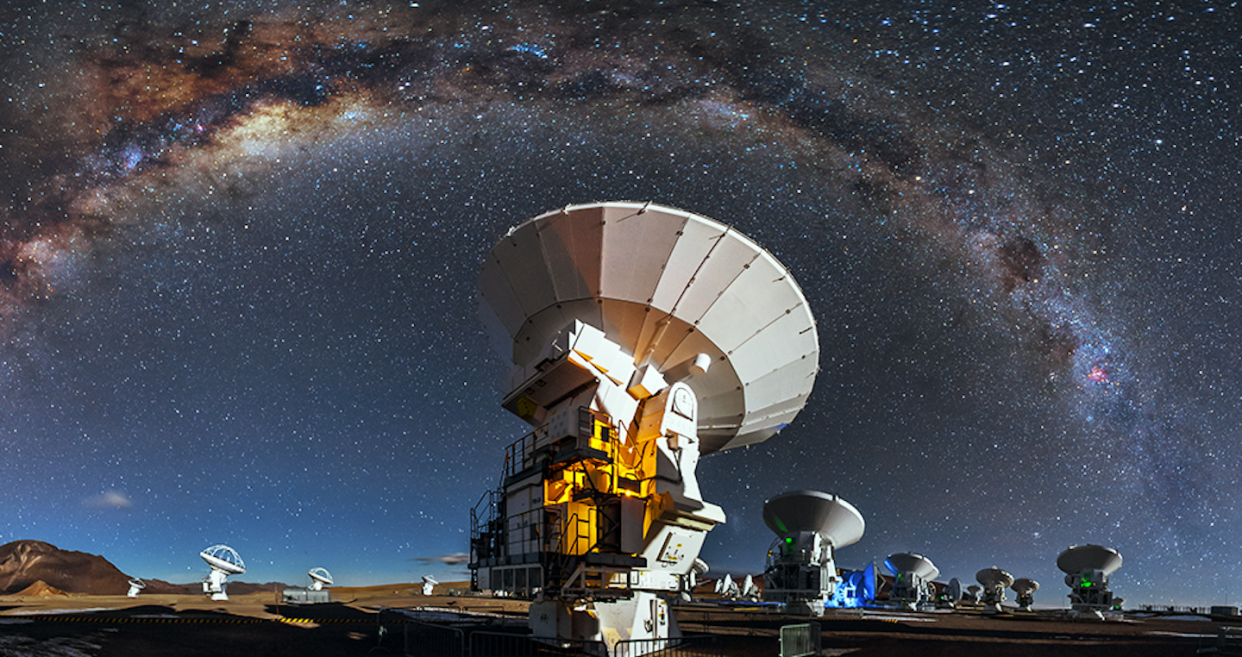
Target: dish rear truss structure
x=224, y=561
x=641, y=338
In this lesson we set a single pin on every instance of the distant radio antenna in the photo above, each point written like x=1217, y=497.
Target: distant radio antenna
x=912, y=579
x=1025, y=588
x=135, y=585
x=994, y=581
x=801, y=570
x=320, y=577
x=224, y=561
x=1086, y=569
x=429, y=584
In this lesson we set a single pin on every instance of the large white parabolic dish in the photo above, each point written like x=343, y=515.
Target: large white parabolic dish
x=666, y=285
x=908, y=562
x=223, y=558
x=1089, y=557
x=812, y=511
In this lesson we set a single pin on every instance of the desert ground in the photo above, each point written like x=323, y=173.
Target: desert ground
x=258, y=625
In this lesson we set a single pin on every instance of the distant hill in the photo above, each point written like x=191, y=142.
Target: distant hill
x=40, y=590
x=25, y=563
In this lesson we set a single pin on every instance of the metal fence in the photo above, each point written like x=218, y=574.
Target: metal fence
x=430, y=640
x=800, y=640
x=501, y=644
x=691, y=646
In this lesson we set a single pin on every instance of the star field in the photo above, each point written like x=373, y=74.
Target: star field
x=240, y=240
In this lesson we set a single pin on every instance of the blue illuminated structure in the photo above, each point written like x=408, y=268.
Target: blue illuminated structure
x=855, y=589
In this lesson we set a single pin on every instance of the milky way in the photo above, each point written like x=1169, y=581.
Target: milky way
x=973, y=297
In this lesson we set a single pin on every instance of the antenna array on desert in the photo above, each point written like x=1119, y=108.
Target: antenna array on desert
x=913, y=575
x=224, y=561
x=641, y=337
x=801, y=571
x=1087, y=568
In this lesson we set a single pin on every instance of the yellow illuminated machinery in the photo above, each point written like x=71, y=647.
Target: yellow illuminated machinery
x=642, y=337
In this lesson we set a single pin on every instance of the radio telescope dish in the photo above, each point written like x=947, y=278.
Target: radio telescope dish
x=836, y=520
x=225, y=558
x=801, y=571
x=994, y=581
x=955, y=590
x=691, y=296
x=908, y=562
x=224, y=561
x=912, y=579
x=1025, y=588
x=135, y=585
x=1024, y=585
x=429, y=584
x=994, y=578
x=1087, y=568
x=320, y=577
x=1089, y=557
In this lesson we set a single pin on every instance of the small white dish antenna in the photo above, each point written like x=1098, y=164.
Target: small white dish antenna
x=994, y=581
x=748, y=590
x=688, y=582
x=727, y=588
x=320, y=577
x=974, y=592
x=135, y=585
x=224, y=561
x=429, y=584
x=1025, y=588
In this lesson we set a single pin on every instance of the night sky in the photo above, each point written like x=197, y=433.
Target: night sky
x=238, y=244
